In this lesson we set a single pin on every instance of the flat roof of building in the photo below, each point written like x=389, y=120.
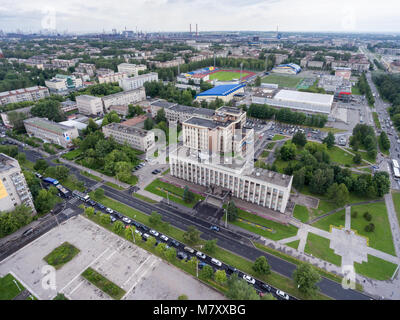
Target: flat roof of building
x=86, y=97
x=202, y=122
x=304, y=97
x=231, y=110
x=130, y=130
x=222, y=90
x=187, y=109
x=134, y=121
x=47, y=125
x=163, y=104
x=6, y=162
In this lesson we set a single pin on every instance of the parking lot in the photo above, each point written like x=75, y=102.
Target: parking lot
x=140, y=274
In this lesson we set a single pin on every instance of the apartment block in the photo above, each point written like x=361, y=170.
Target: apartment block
x=14, y=190
x=124, y=98
x=89, y=105
x=26, y=94
x=112, y=77
x=137, y=82
x=131, y=69
x=50, y=131
x=136, y=138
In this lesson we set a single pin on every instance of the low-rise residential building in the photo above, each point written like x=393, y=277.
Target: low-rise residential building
x=14, y=190
x=136, y=138
x=89, y=105
x=315, y=64
x=88, y=68
x=124, y=98
x=112, y=77
x=62, y=83
x=26, y=94
x=68, y=105
x=137, y=82
x=169, y=64
x=4, y=115
x=50, y=131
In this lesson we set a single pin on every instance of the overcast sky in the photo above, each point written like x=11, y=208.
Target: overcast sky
x=210, y=15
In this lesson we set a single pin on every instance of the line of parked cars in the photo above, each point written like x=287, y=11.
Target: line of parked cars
x=186, y=252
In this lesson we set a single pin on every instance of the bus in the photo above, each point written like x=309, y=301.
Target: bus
x=395, y=164
x=396, y=172
x=52, y=181
x=63, y=191
x=81, y=196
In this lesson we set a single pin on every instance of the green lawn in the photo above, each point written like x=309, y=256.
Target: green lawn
x=293, y=244
x=381, y=237
x=355, y=90
x=271, y=145
x=61, y=255
x=144, y=198
x=60, y=296
x=376, y=120
x=8, y=288
x=175, y=193
x=265, y=154
x=396, y=201
x=278, y=137
x=72, y=185
x=337, y=219
x=376, y=268
x=364, y=156
x=227, y=75
x=319, y=247
x=91, y=176
x=103, y=283
x=282, y=81
x=301, y=213
x=278, y=231
x=72, y=155
x=113, y=185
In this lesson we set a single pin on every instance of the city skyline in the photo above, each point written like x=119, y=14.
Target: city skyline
x=177, y=15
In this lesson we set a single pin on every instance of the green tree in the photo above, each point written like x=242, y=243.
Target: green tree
x=338, y=193
x=89, y=211
x=329, y=140
x=299, y=139
x=206, y=273
x=210, y=246
x=170, y=254
x=261, y=266
x=151, y=241
x=357, y=159
x=129, y=233
x=188, y=195
x=105, y=219
x=148, y=124
x=160, y=117
x=232, y=211
x=161, y=248
x=239, y=289
x=257, y=82
x=118, y=227
x=220, y=276
x=384, y=141
x=306, y=278
x=40, y=165
x=192, y=235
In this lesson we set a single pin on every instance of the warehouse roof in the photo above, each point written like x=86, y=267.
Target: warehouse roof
x=222, y=90
x=304, y=97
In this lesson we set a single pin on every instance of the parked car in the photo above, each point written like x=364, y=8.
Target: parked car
x=27, y=232
x=216, y=262
x=266, y=287
x=113, y=219
x=188, y=249
x=175, y=243
x=101, y=206
x=108, y=210
x=214, y=228
x=146, y=235
x=154, y=233
x=127, y=220
x=164, y=238
x=138, y=232
x=232, y=269
x=201, y=255
x=181, y=255
x=202, y=265
x=249, y=279
x=282, y=294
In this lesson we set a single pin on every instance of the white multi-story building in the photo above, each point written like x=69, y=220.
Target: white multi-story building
x=112, y=77
x=131, y=69
x=89, y=105
x=124, y=98
x=137, y=82
x=14, y=190
x=50, y=131
x=199, y=160
x=180, y=113
x=25, y=94
x=136, y=138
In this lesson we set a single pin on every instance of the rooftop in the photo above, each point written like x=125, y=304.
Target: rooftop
x=134, y=121
x=187, y=109
x=47, y=125
x=210, y=124
x=222, y=90
x=304, y=97
x=163, y=104
x=6, y=162
x=129, y=130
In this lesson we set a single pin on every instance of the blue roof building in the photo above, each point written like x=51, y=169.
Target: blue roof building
x=224, y=92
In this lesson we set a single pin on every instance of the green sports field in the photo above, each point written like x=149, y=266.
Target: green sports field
x=282, y=81
x=227, y=76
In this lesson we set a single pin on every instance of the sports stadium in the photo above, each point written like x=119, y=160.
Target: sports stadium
x=212, y=73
